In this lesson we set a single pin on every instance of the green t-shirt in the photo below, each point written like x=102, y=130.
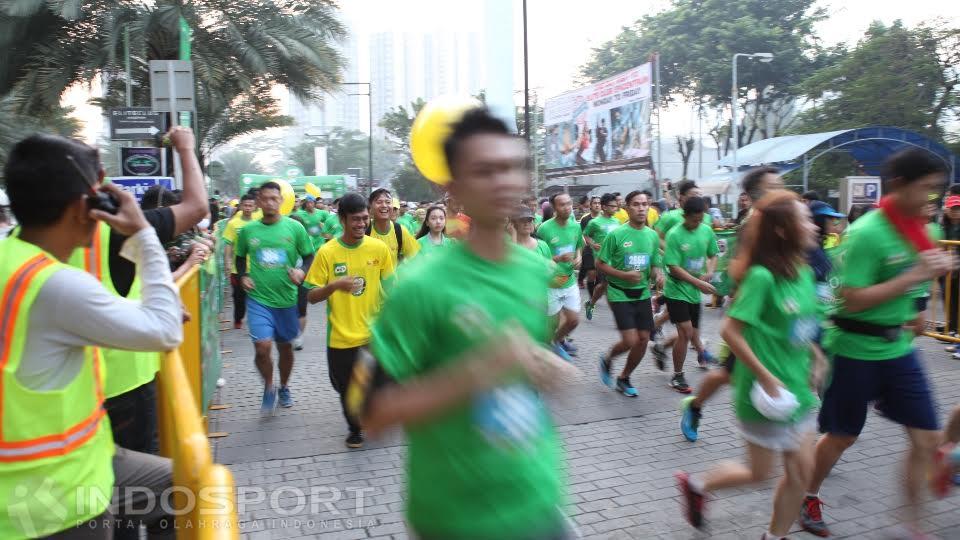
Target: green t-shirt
x=628, y=249
x=537, y=221
x=689, y=250
x=544, y=250
x=493, y=463
x=876, y=253
x=936, y=234
x=599, y=227
x=427, y=245
x=314, y=222
x=270, y=251
x=674, y=217
x=408, y=222
x=332, y=226
x=562, y=240
x=781, y=322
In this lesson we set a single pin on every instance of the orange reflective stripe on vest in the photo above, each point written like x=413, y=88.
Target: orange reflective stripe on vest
x=58, y=443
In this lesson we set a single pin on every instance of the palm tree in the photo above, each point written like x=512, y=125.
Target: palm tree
x=240, y=49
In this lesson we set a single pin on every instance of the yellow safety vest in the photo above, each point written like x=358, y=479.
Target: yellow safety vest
x=125, y=370
x=56, y=448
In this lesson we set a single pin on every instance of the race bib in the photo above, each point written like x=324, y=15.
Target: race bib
x=272, y=257
x=510, y=418
x=563, y=250
x=636, y=261
x=804, y=331
x=695, y=265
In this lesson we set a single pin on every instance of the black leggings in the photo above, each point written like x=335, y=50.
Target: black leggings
x=239, y=299
x=340, y=364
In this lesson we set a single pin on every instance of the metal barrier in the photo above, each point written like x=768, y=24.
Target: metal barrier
x=204, y=491
x=939, y=328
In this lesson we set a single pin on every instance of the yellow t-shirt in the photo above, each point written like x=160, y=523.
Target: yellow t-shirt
x=410, y=244
x=230, y=234
x=349, y=313
x=621, y=216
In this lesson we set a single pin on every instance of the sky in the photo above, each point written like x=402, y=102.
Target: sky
x=561, y=33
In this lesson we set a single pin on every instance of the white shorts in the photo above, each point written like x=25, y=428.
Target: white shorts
x=779, y=436
x=567, y=298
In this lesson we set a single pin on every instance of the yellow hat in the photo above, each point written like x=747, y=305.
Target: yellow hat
x=234, y=202
x=396, y=203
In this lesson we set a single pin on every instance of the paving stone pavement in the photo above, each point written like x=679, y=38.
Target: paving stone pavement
x=296, y=479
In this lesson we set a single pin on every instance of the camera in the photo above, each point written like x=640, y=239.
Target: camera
x=105, y=202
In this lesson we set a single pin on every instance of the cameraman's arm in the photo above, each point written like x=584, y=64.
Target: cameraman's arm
x=84, y=308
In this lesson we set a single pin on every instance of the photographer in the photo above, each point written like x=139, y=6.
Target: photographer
x=52, y=404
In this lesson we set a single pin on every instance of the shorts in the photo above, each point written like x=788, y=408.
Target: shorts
x=898, y=386
x=681, y=312
x=633, y=315
x=779, y=436
x=587, y=263
x=567, y=298
x=268, y=323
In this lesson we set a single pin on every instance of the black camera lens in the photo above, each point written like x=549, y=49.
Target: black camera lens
x=105, y=202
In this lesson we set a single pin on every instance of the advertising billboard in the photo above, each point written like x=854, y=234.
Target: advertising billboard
x=600, y=128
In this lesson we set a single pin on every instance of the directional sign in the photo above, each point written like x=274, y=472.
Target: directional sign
x=134, y=123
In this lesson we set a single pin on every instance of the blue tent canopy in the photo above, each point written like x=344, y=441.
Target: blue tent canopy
x=869, y=146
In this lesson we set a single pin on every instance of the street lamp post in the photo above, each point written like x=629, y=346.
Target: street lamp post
x=734, y=95
x=369, y=183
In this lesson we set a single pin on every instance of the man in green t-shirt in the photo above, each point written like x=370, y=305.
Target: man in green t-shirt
x=597, y=230
x=459, y=362
x=882, y=265
x=691, y=257
x=562, y=233
x=685, y=191
x=276, y=246
x=630, y=258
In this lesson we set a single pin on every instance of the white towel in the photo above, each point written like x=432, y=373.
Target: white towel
x=779, y=409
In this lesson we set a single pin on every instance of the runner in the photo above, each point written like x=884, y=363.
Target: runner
x=690, y=256
x=771, y=328
x=484, y=460
x=524, y=223
x=399, y=240
x=884, y=259
x=685, y=190
x=630, y=258
x=314, y=220
x=756, y=184
x=621, y=213
x=407, y=219
x=274, y=245
x=433, y=232
x=565, y=239
x=348, y=273
x=588, y=271
x=597, y=230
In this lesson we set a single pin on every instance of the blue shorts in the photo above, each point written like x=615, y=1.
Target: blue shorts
x=899, y=387
x=268, y=323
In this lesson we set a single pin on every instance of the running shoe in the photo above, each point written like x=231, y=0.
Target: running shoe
x=660, y=356
x=605, y=376
x=298, y=343
x=625, y=388
x=690, y=421
x=706, y=359
x=811, y=517
x=943, y=474
x=693, y=501
x=355, y=440
x=588, y=308
x=269, y=403
x=284, y=395
x=561, y=352
x=568, y=346
x=679, y=383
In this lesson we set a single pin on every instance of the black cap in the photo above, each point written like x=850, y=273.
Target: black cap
x=523, y=212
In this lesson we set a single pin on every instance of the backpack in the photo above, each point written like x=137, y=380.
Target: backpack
x=398, y=233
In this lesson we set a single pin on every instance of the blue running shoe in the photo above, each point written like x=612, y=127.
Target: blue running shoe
x=588, y=308
x=568, y=346
x=690, y=421
x=706, y=359
x=285, y=400
x=561, y=352
x=269, y=404
x=625, y=388
x=605, y=376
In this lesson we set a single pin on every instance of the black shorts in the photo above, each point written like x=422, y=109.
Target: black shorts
x=586, y=262
x=681, y=312
x=729, y=362
x=633, y=315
